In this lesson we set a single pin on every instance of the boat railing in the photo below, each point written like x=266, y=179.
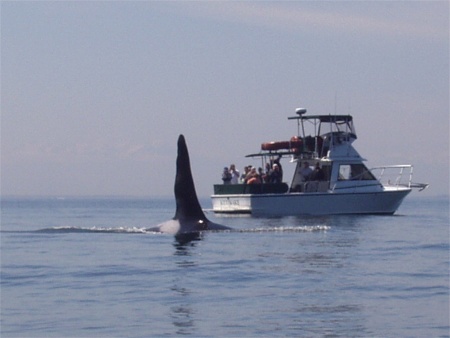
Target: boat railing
x=237, y=189
x=397, y=176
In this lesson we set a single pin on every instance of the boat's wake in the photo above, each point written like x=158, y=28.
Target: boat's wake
x=138, y=230
x=74, y=229
x=305, y=228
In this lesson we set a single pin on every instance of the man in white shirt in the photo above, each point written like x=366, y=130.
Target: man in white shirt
x=306, y=172
x=234, y=174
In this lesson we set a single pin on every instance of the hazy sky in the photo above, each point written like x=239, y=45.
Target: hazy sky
x=95, y=94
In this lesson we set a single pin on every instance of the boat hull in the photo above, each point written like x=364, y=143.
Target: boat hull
x=293, y=204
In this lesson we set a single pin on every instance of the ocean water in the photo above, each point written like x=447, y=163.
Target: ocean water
x=86, y=267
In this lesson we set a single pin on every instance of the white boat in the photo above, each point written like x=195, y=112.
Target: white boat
x=345, y=186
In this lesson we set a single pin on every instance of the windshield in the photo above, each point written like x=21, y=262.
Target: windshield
x=336, y=124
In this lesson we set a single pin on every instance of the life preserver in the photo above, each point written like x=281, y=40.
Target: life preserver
x=295, y=142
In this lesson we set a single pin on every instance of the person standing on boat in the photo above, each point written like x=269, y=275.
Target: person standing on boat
x=226, y=176
x=253, y=177
x=245, y=174
x=306, y=172
x=261, y=174
x=277, y=162
x=275, y=174
x=234, y=174
x=266, y=177
x=318, y=174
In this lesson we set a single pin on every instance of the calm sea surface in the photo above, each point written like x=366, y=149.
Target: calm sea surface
x=84, y=267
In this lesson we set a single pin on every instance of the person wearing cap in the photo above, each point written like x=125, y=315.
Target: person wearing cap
x=226, y=176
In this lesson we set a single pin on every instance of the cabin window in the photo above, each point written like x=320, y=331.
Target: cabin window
x=355, y=172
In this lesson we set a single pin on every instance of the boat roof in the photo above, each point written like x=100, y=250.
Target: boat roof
x=323, y=118
x=272, y=153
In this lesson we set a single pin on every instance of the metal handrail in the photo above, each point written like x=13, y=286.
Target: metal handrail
x=399, y=180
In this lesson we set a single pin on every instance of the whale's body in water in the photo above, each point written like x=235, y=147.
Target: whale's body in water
x=189, y=217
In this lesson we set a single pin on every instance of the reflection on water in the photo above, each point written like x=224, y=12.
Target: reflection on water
x=187, y=238
x=181, y=312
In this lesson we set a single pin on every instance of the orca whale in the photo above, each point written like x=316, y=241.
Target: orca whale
x=189, y=217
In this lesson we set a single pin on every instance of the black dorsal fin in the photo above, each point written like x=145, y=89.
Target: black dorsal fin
x=188, y=206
